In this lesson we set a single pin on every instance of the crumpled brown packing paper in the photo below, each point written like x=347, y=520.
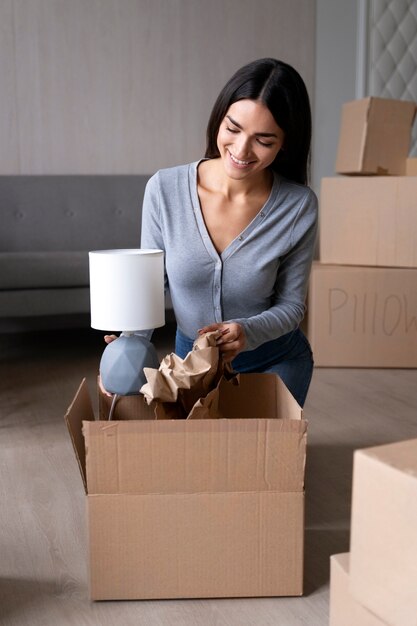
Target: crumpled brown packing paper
x=186, y=388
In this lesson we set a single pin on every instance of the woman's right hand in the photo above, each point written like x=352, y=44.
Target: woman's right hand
x=107, y=339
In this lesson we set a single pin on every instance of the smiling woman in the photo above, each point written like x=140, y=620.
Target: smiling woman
x=242, y=144
x=280, y=88
x=238, y=227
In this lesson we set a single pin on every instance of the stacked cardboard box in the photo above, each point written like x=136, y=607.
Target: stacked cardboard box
x=376, y=584
x=362, y=298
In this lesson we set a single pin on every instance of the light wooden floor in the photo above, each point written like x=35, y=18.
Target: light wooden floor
x=42, y=519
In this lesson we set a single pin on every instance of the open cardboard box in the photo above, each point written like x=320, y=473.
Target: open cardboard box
x=194, y=508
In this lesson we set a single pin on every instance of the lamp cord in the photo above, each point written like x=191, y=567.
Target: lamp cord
x=113, y=404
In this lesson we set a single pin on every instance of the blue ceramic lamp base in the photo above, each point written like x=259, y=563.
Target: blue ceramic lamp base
x=122, y=363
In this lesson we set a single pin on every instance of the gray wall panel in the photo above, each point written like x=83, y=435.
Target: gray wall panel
x=126, y=86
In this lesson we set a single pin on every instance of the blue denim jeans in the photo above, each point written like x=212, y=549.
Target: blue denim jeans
x=288, y=356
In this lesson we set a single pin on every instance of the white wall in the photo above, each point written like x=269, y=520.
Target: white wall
x=335, y=79
x=126, y=86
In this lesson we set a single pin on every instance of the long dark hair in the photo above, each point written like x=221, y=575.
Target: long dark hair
x=280, y=87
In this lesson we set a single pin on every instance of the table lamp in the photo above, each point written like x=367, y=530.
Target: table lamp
x=127, y=294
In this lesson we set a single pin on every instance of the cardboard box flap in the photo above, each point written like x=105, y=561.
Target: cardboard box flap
x=392, y=112
x=352, y=134
x=394, y=119
x=257, y=396
x=195, y=456
x=401, y=455
x=80, y=409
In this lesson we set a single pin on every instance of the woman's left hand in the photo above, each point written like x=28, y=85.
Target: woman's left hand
x=231, y=341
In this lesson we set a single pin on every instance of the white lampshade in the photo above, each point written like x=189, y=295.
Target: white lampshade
x=127, y=289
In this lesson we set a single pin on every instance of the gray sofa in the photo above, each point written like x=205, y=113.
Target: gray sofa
x=48, y=225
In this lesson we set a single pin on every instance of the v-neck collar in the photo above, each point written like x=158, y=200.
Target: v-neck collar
x=240, y=239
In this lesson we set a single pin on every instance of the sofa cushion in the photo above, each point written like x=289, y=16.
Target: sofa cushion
x=46, y=213
x=26, y=303
x=30, y=270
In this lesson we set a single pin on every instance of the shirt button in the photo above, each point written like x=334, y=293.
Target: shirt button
x=240, y=237
x=262, y=214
